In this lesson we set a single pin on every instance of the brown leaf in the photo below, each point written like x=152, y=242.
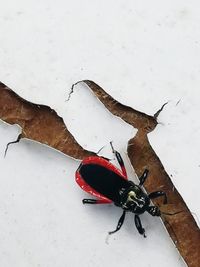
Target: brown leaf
x=39, y=123
x=42, y=124
x=181, y=226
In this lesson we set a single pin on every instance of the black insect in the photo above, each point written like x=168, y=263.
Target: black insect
x=97, y=176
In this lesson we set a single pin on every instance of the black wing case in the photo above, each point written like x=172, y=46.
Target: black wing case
x=104, y=181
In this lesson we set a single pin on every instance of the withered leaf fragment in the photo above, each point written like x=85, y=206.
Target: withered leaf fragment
x=42, y=124
x=181, y=226
x=39, y=123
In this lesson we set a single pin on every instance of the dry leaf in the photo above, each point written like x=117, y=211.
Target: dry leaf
x=42, y=124
x=39, y=123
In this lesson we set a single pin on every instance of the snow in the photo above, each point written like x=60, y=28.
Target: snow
x=43, y=221
x=143, y=53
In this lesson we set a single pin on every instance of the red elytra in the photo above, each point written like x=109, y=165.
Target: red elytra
x=106, y=164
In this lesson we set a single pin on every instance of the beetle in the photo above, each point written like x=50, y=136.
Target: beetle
x=108, y=184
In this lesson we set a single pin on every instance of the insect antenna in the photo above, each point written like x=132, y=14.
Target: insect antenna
x=113, y=150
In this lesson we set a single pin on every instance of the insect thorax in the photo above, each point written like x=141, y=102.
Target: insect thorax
x=134, y=199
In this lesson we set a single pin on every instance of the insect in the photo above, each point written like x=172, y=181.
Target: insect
x=97, y=176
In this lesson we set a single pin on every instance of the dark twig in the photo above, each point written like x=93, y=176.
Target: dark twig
x=158, y=112
x=13, y=142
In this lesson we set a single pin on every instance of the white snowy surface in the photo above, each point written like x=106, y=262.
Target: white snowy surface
x=143, y=53
x=43, y=221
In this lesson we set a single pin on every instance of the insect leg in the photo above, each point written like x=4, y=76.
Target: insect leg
x=143, y=177
x=158, y=194
x=95, y=201
x=119, y=159
x=138, y=225
x=153, y=210
x=120, y=223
